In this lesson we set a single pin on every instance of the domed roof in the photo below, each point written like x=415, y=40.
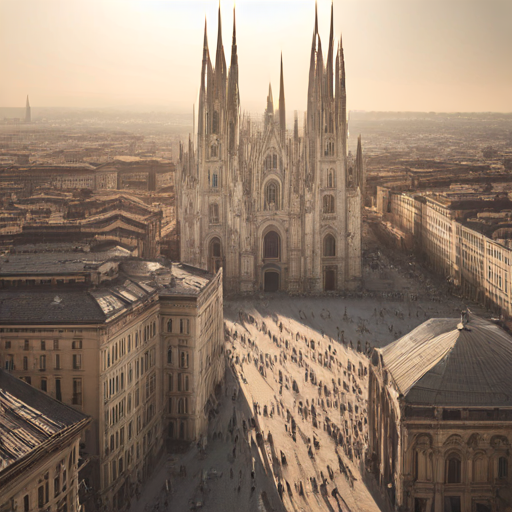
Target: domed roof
x=446, y=362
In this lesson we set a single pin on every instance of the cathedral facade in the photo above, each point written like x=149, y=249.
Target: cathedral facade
x=276, y=210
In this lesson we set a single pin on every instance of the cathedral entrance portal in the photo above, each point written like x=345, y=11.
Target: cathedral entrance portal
x=214, y=255
x=329, y=280
x=271, y=281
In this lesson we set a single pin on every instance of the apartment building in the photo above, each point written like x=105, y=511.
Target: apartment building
x=39, y=450
x=468, y=248
x=91, y=330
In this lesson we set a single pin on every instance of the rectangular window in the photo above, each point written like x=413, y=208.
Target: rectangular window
x=77, y=391
x=55, y=344
x=56, y=486
x=25, y=363
x=26, y=345
x=40, y=496
x=44, y=385
x=77, y=361
x=76, y=344
x=42, y=362
x=58, y=391
x=8, y=346
x=452, y=504
x=26, y=503
x=43, y=345
x=57, y=361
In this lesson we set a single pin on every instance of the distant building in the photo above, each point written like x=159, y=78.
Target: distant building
x=465, y=236
x=137, y=345
x=276, y=210
x=440, y=417
x=39, y=449
x=28, y=114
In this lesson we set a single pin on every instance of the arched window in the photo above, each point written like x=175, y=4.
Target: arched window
x=215, y=180
x=171, y=430
x=329, y=246
x=329, y=149
x=169, y=325
x=181, y=406
x=214, y=255
x=184, y=360
x=328, y=204
x=186, y=405
x=502, y=467
x=171, y=382
x=272, y=196
x=186, y=383
x=214, y=213
x=453, y=469
x=213, y=150
x=169, y=355
x=271, y=244
x=330, y=178
x=274, y=161
x=182, y=430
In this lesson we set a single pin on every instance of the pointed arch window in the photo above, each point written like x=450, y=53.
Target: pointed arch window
x=271, y=244
x=272, y=196
x=214, y=213
x=274, y=161
x=328, y=203
x=169, y=355
x=330, y=178
x=329, y=246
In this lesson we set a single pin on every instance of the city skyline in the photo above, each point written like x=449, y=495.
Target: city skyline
x=401, y=56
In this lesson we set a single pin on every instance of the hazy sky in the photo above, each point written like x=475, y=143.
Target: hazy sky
x=426, y=55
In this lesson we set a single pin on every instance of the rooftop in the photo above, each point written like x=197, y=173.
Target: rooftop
x=133, y=281
x=443, y=362
x=28, y=419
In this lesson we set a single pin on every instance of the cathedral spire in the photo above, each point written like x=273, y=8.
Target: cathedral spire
x=220, y=62
x=316, y=17
x=282, y=108
x=330, y=57
x=270, y=100
x=233, y=101
x=28, y=117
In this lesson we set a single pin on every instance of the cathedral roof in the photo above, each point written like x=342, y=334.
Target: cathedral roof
x=447, y=362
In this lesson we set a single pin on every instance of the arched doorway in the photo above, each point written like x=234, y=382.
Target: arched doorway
x=214, y=255
x=271, y=281
x=272, y=246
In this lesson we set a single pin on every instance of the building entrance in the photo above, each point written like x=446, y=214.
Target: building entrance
x=271, y=281
x=329, y=280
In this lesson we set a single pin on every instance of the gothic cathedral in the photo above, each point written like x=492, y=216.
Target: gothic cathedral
x=276, y=210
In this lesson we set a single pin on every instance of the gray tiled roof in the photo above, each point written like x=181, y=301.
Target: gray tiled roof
x=439, y=364
x=48, y=306
x=29, y=417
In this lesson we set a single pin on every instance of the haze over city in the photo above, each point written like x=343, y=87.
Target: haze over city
x=419, y=55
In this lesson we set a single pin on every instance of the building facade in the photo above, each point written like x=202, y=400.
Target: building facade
x=105, y=334
x=40, y=450
x=477, y=261
x=440, y=417
x=275, y=210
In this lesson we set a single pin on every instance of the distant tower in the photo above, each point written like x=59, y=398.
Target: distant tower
x=28, y=117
